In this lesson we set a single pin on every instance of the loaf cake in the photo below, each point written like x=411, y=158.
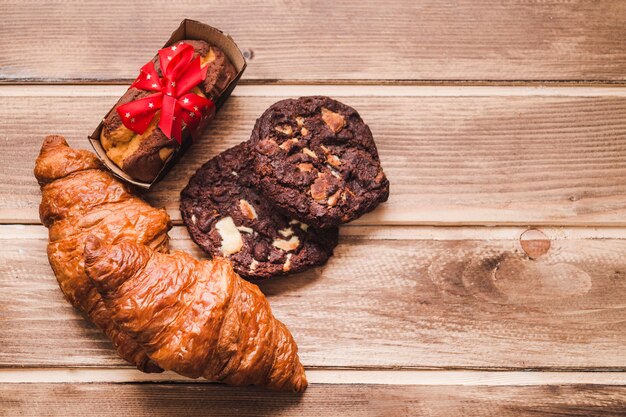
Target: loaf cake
x=142, y=156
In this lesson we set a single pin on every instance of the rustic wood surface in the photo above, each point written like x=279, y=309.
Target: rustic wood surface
x=505, y=114
x=326, y=40
x=420, y=298
x=319, y=400
x=450, y=160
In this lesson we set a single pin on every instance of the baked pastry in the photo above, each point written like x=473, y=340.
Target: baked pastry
x=142, y=156
x=197, y=318
x=80, y=198
x=226, y=216
x=316, y=160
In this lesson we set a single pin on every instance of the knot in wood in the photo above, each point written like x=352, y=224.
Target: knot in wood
x=534, y=243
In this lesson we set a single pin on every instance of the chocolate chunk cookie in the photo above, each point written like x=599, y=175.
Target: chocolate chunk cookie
x=227, y=217
x=316, y=160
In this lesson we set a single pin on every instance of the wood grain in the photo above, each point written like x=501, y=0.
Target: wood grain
x=325, y=40
x=384, y=300
x=319, y=400
x=451, y=160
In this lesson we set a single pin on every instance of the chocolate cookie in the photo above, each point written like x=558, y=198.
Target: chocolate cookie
x=227, y=217
x=316, y=160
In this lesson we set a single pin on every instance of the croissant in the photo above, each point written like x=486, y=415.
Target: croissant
x=79, y=198
x=197, y=318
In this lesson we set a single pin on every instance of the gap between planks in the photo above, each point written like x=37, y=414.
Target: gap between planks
x=329, y=376
x=70, y=90
x=384, y=218
x=334, y=81
x=32, y=231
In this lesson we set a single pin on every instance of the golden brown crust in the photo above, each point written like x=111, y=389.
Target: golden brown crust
x=197, y=318
x=79, y=198
x=52, y=165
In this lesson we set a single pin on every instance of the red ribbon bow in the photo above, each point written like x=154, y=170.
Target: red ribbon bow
x=181, y=72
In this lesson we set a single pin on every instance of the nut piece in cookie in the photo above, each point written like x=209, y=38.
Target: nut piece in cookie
x=226, y=216
x=231, y=238
x=316, y=160
x=334, y=121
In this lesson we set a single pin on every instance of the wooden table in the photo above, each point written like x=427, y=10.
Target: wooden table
x=507, y=114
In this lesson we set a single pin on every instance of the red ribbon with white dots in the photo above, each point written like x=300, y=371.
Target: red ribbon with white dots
x=181, y=72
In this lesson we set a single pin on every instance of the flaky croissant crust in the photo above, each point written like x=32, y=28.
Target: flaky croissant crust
x=197, y=318
x=79, y=198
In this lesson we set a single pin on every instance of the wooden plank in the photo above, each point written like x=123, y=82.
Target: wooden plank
x=384, y=300
x=326, y=40
x=451, y=160
x=318, y=400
